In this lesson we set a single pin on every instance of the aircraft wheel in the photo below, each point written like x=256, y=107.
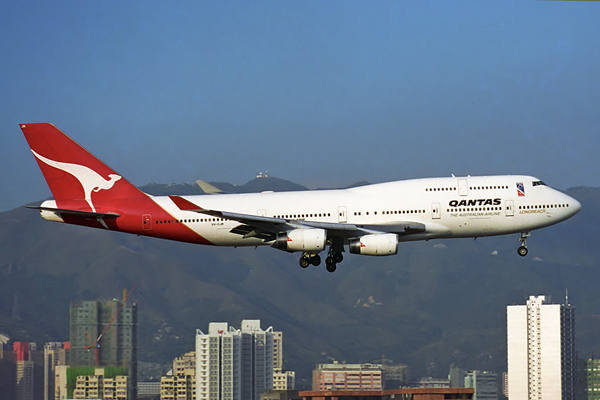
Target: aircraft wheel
x=338, y=257
x=315, y=260
x=330, y=264
x=522, y=251
x=304, y=262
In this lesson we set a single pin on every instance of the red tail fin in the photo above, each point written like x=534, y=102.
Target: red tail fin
x=74, y=175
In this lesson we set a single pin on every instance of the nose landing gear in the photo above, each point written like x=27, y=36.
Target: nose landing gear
x=522, y=250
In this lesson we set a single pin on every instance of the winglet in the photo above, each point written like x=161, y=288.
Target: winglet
x=208, y=188
x=184, y=204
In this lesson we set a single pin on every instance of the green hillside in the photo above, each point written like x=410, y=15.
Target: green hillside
x=433, y=304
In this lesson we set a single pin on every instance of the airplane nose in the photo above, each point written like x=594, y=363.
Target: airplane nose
x=574, y=205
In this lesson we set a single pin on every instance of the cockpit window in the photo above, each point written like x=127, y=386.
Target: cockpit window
x=538, y=183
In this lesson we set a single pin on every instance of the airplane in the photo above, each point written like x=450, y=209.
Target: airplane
x=369, y=220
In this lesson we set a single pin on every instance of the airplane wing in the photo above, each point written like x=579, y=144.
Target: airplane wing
x=267, y=228
x=208, y=188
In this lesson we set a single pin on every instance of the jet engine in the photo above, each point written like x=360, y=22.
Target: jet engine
x=384, y=244
x=309, y=239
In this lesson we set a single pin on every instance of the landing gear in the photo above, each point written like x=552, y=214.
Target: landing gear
x=522, y=250
x=315, y=260
x=308, y=259
x=304, y=262
x=333, y=257
x=330, y=265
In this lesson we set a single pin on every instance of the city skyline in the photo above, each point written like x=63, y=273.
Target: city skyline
x=540, y=336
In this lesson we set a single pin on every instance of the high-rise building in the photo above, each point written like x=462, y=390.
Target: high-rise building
x=284, y=380
x=28, y=376
x=7, y=369
x=104, y=335
x=61, y=390
x=256, y=359
x=181, y=383
x=485, y=384
x=24, y=375
x=21, y=370
x=234, y=364
x=542, y=362
x=348, y=377
x=277, y=351
x=592, y=372
x=55, y=354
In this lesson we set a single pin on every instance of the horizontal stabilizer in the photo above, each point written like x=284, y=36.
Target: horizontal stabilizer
x=76, y=213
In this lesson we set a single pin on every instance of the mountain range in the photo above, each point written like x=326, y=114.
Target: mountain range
x=434, y=304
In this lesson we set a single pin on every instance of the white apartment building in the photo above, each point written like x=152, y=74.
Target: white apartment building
x=234, y=364
x=541, y=351
x=284, y=380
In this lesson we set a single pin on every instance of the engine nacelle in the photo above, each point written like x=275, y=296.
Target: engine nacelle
x=383, y=244
x=310, y=239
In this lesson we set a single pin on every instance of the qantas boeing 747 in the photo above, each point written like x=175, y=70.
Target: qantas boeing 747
x=369, y=220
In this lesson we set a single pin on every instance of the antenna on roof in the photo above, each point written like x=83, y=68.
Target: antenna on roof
x=567, y=296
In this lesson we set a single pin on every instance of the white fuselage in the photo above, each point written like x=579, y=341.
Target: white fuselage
x=448, y=207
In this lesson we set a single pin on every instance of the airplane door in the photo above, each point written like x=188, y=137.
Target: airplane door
x=342, y=217
x=435, y=211
x=510, y=208
x=463, y=187
x=147, y=222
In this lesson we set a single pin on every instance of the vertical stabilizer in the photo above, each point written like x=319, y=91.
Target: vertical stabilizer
x=76, y=178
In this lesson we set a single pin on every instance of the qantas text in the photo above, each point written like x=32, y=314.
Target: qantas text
x=475, y=202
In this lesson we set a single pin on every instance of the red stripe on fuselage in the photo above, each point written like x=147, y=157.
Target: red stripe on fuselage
x=131, y=220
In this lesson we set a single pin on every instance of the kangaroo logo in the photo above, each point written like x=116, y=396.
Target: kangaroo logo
x=89, y=179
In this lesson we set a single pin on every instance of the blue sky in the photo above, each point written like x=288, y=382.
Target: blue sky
x=323, y=93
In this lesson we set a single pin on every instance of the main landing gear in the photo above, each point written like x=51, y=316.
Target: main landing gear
x=309, y=258
x=522, y=250
x=333, y=257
